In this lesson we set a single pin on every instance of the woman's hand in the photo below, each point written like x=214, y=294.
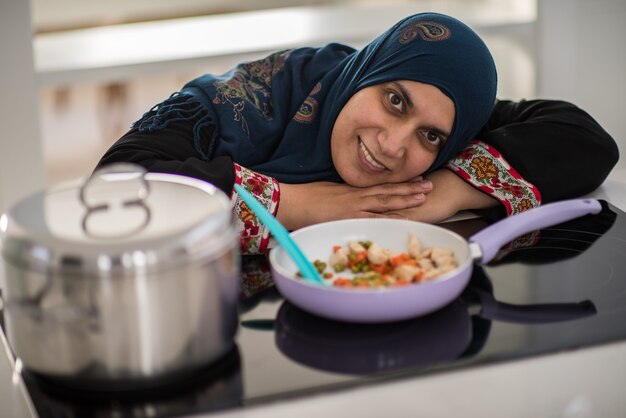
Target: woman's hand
x=450, y=195
x=306, y=204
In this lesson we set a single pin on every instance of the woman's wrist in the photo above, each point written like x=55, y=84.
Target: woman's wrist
x=285, y=207
x=456, y=194
x=299, y=207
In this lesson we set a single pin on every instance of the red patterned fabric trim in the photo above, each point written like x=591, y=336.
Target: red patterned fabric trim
x=485, y=168
x=254, y=236
x=256, y=276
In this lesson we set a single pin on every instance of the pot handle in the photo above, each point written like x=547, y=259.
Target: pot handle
x=492, y=238
x=121, y=172
x=117, y=173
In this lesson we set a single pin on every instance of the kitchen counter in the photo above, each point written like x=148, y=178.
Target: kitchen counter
x=570, y=383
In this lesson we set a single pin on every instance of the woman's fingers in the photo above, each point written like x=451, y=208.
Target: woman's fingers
x=389, y=197
x=385, y=215
x=388, y=202
x=413, y=187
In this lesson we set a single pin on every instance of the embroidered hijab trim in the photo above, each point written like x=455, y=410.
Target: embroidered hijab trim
x=429, y=31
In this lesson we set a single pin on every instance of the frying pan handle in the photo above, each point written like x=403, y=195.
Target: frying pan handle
x=534, y=314
x=492, y=238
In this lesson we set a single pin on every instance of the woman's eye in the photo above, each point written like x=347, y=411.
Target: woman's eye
x=434, y=139
x=396, y=101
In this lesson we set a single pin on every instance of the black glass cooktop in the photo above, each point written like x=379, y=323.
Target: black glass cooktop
x=557, y=289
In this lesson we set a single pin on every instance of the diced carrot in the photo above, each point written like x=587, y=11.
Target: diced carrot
x=419, y=276
x=388, y=278
x=356, y=258
x=336, y=248
x=399, y=259
x=342, y=282
x=379, y=268
x=360, y=256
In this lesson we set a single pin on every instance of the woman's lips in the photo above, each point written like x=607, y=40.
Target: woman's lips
x=370, y=163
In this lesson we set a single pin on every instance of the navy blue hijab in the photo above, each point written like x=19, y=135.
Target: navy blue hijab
x=276, y=115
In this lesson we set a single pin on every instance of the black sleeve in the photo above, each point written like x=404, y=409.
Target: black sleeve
x=170, y=150
x=555, y=145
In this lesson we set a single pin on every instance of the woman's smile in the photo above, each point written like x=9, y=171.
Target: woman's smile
x=369, y=162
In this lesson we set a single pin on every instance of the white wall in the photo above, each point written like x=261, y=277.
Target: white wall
x=21, y=161
x=582, y=58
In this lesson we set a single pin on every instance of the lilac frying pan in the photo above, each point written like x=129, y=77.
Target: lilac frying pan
x=378, y=305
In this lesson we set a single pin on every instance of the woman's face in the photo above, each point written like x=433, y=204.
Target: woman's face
x=390, y=132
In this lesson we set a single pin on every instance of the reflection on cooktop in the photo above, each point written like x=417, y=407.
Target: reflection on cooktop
x=557, y=289
x=215, y=387
x=422, y=342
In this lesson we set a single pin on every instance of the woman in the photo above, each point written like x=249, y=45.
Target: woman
x=328, y=133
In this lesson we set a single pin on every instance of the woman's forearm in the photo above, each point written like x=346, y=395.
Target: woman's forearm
x=450, y=194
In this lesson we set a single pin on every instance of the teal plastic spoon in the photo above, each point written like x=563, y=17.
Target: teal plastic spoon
x=279, y=232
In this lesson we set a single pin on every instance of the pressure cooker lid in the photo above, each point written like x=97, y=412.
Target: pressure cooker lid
x=121, y=218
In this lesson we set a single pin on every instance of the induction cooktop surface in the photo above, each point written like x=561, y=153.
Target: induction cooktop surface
x=556, y=289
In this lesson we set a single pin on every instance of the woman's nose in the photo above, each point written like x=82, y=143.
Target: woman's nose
x=394, y=140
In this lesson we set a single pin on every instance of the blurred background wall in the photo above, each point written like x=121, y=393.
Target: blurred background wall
x=581, y=58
